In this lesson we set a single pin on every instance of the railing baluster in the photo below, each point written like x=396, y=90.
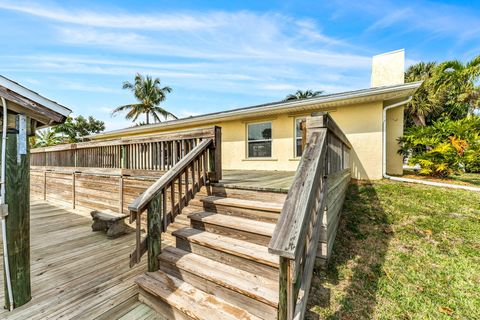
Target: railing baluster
x=204, y=171
x=180, y=200
x=187, y=193
x=193, y=177
x=164, y=209
x=172, y=199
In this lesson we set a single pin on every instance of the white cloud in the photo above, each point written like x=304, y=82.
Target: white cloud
x=78, y=86
x=279, y=86
x=118, y=20
x=436, y=19
x=211, y=59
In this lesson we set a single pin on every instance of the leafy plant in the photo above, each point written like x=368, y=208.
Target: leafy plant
x=45, y=138
x=445, y=147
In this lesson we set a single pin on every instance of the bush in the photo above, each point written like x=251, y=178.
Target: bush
x=445, y=147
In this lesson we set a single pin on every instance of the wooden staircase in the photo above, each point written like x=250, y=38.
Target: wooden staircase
x=231, y=253
x=216, y=263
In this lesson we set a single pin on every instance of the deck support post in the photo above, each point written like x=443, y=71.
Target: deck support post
x=215, y=157
x=18, y=218
x=285, y=303
x=154, y=226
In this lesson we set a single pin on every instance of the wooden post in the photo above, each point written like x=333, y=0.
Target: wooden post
x=215, y=157
x=154, y=232
x=285, y=303
x=18, y=218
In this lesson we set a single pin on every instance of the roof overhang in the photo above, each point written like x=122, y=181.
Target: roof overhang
x=26, y=101
x=388, y=93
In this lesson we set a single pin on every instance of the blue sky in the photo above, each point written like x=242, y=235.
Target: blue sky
x=218, y=55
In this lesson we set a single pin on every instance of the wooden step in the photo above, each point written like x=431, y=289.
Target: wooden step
x=254, y=293
x=251, y=209
x=221, y=191
x=258, y=232
x=243, y=203
x=175, y=299
x=234, y=252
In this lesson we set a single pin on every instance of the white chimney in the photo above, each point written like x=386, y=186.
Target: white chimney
x=388, y=69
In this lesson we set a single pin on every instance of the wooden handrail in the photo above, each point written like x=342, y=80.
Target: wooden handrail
x=291, y=226
x=298, y=229
x=141, y=202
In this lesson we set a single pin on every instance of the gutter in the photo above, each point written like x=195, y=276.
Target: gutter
x=384, y=157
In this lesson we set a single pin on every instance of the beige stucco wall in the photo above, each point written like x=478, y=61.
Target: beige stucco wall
x=362, y=123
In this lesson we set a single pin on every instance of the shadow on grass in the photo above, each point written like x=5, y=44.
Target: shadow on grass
x=346, y=288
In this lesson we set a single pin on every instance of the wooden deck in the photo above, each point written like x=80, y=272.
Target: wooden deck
x=273, y=181
x=77, y=273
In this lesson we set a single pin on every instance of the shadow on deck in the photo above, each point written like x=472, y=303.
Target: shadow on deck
x=77, y=273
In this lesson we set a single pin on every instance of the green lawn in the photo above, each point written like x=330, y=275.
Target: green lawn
x=403, y=251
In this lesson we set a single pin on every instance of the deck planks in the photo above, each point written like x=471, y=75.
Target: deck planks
x=77, y=273
x=273, y=181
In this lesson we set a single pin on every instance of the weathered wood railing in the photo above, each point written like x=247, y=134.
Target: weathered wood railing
x=158, y=152
x=302, y=221
x=170, y=193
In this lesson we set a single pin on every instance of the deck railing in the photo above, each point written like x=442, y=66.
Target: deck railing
x=158, y=152
x=302, y=222
x=170, y=193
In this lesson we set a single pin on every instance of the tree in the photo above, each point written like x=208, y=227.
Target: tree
x=75, y=128
x=46, y=138
x=149, y=95
x=421, y=105
x=456, y=87
x=449, y=90
x=303, y=95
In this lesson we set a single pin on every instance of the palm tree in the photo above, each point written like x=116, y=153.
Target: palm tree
x=303, y=95
x=421, y=105
x=456, y=84
x=149, y=95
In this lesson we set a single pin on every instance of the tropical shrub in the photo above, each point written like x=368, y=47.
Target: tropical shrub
x=445, y=147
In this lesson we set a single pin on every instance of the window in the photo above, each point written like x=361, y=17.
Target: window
x=259, y=144
x=298, y=137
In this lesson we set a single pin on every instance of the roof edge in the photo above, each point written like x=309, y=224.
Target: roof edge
x=34, y=96
x=265, y=107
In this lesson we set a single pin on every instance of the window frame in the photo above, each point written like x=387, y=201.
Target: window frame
x=247, y=140
x=295, y=138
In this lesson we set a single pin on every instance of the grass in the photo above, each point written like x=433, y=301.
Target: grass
x=403, y=251
x=466, y=179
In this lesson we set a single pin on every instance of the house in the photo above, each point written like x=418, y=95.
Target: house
x=268, y=136
x=219, y=247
